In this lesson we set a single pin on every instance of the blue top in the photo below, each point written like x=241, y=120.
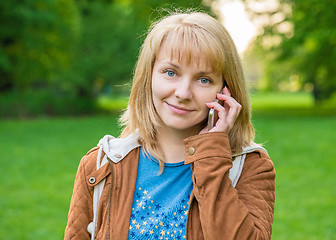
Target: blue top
x=160, y=203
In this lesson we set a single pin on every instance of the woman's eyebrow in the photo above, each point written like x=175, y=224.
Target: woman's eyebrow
x=198, y=73
x=172, y=64
x=205, y=72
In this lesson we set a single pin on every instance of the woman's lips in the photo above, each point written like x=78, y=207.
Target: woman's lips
x=178, y=110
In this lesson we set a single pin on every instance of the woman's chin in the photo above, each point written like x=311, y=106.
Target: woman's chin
x=187, y=127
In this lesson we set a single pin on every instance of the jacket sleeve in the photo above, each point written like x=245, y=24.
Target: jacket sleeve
x=244, y=212
x=80, y=212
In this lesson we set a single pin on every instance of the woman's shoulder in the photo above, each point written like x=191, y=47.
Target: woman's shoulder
x=91, y=155
x=89, y=161
x=258, y=174
x=258, y=160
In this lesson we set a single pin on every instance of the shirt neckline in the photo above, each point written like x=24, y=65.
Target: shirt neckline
x=153, y=159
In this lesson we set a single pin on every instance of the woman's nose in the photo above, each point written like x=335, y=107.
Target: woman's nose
x=183, y=89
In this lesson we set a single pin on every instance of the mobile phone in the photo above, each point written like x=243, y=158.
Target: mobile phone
x=213, y=115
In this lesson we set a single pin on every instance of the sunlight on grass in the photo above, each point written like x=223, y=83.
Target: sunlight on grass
x=282, y=100
x=284, y=104
x=110, y=104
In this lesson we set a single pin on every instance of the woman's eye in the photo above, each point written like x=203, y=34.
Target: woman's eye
x=204, y=80
x=170, y=73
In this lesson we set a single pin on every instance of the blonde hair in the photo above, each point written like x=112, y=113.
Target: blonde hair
x=192, y=36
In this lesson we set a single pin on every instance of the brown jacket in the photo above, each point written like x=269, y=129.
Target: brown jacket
x=217, y=210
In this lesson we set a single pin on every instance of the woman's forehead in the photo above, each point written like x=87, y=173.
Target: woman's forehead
x=177, y=53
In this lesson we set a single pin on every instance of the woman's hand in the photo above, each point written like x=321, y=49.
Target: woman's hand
x=227, y=113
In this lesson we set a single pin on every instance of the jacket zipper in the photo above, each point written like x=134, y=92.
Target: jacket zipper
x=109, y=205
x=188, y=217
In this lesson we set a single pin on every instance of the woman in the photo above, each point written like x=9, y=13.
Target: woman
x=168, y=175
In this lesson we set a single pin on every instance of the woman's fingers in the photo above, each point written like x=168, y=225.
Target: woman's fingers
x=220, y=124
x=227, y=113
x=233, y=106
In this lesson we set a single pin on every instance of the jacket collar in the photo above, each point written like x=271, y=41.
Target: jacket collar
x=117, y=148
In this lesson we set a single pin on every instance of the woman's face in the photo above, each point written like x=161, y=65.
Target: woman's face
x=180, y=91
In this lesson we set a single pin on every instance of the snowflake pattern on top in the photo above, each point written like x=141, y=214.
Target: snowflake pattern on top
x=160, y=203
x=151, y=221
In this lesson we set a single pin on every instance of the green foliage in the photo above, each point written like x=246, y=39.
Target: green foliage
x=34, y=40
x=298, y=44
x=32, y=103
x=111, y=35
x=69, y=50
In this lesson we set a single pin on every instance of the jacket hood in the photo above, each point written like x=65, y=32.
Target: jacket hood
x=117, y=148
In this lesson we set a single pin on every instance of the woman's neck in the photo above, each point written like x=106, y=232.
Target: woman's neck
x=172, y=145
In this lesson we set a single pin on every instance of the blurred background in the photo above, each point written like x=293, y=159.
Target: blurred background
x=65, y=69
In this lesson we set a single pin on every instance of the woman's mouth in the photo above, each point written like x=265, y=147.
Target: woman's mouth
x=178, y=110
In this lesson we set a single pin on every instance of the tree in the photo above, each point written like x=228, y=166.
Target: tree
x=298, y=42
x=34, y=41
x=111, y=35
x=58, y=56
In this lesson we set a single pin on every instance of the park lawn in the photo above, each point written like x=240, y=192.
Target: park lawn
x=39, y=159
x=302, y=149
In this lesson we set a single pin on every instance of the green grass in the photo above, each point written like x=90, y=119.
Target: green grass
x=109, y=104
x=39, y=159
x=302, y=149
x=270, y=100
